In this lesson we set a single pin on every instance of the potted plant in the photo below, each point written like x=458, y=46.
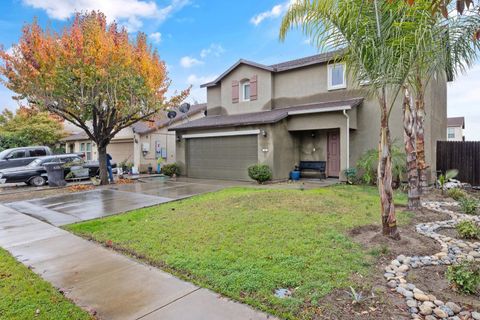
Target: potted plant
x=295, y=174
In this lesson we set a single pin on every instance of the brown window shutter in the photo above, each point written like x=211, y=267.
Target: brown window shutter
x=235, y=92
x=253, y=87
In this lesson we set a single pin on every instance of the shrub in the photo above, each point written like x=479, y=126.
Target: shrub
x=368, y=163
x=465, y=276
x=260, y=172
x=351, y=175
x=468, y=205
x=456, y=194
x=171, y=169
x=468, y=230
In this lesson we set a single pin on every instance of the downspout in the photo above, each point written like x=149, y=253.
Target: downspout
x=348, y=138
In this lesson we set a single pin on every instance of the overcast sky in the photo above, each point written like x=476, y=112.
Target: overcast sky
x=199, y=39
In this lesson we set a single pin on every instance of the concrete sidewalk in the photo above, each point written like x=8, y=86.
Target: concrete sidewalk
x=113, y=285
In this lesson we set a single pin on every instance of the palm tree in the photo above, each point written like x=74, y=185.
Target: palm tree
x=370, y=36
x=446, y=45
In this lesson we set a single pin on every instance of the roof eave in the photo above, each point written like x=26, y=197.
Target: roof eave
x=233, y=67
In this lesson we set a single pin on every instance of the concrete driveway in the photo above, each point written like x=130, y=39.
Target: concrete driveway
x=81, y=206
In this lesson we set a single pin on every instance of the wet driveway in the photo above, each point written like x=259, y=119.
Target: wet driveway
x=75, y=207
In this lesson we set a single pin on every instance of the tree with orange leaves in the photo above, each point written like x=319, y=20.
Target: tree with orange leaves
x=91, y=74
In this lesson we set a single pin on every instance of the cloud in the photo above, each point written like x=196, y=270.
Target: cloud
x=195, y=80
x=126, y=12
x=198, y=94
x=156, y=37
x=214, y=49
x=188, y=62
x=275, y=12
x=463, y=100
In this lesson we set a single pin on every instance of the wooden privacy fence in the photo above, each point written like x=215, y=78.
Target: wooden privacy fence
x=461, y=155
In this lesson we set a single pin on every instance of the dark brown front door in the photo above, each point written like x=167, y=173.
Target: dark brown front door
x=333, y=153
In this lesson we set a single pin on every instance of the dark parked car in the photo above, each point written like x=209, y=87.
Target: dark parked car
x=35, y=174
x=17, y=157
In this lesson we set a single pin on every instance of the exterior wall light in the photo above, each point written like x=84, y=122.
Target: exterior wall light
x=264, y=133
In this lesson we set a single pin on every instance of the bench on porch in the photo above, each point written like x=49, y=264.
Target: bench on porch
x=318, y=166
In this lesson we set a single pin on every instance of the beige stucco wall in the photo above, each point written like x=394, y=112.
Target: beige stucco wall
x=165, y=138
x=243, y=72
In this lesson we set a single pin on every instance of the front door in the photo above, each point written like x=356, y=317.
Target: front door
x=333, y=153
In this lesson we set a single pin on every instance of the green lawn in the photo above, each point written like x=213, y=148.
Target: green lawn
x=246, y=242
x=22, y=293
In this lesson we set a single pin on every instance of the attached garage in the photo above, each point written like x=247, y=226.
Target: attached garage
x=121, y=151
x=226, y=157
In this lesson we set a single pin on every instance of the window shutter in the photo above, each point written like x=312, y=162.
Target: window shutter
x=235, y=91
x=253, y=87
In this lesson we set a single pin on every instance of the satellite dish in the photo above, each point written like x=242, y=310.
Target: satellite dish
x=171, y=114
x=184, y=107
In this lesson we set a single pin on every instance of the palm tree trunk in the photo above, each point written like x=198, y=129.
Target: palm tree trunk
x=389, y=220
x=409, y=123
x=420, y=135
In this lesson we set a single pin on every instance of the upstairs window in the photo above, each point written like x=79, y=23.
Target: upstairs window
x=451, y=133
x=336, y=76
x=245, y=90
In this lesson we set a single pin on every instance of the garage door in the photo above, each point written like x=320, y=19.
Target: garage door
x=121, y=151
x=221, y=157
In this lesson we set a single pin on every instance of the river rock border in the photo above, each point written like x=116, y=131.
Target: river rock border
x=422, y=305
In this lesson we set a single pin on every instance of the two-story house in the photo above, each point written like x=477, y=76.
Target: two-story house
x=281, y=114
x=455, y=129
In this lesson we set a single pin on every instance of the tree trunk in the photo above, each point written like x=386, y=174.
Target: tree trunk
x=420, y=135
x=102, y=161
x=409, y=123
x=389, y=220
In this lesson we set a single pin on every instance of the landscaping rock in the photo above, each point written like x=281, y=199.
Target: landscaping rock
x=421, y=297
x=425, y=310
x=423, y=305
x=454, y=307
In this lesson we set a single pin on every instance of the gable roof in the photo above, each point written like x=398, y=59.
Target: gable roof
x=279, y=67
x=456, y=122
x=265, y=117
x=146, y=127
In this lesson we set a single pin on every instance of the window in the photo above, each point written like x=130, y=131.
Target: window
x=451, y=133
x=16, y=155
x=38, y=153
x=245, y=87
x=89, y=151
x=336, y=76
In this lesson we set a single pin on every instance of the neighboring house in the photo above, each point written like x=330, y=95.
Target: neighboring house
x=279, y=115
x=140, y=144
x=153, y=140
x=455, y=127
x=120, y=148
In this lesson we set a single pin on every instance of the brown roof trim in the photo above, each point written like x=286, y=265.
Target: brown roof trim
x=263, y=117
x=279, y=67
x=239, y=62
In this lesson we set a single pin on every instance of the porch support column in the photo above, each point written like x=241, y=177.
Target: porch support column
x=343, y=152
